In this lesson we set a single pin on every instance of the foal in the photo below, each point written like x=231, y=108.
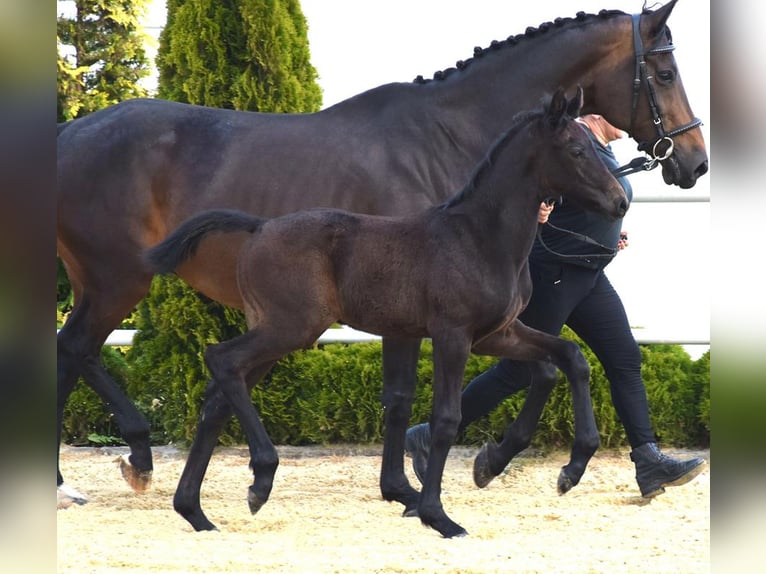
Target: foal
x=456, y=273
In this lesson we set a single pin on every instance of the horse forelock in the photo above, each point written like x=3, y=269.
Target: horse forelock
x=531, y=33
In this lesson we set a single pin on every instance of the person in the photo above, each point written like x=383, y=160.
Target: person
x=570, y=287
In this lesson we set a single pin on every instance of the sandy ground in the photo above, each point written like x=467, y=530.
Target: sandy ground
x=325, y=514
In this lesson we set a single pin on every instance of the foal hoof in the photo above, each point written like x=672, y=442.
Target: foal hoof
x=565, y=483
x=255, y=502
x=482, y=475
x=139, y=480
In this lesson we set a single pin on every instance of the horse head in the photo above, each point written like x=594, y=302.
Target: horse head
x=654, y=108
x=571, y=167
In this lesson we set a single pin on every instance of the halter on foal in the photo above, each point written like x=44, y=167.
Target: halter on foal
x=456, y=272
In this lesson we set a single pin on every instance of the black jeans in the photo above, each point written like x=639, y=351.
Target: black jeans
x=585, y=300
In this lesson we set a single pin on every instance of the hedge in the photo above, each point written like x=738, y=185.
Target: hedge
x=332, y=395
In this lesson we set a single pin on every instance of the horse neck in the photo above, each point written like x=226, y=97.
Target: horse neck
x=503, y=204
x=513, y=78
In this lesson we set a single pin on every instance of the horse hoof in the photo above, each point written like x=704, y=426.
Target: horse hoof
x=255, y=502
x=456, y=531
x=410, y=512
x=66, y=496
x=482, y=475
x=565, y=483
x=138, y=480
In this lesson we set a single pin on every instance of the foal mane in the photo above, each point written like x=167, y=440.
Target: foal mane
x=531, y=32
x=519, y=121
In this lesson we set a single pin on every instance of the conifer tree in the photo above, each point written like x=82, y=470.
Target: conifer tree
x=236, y=54
x=101, y=56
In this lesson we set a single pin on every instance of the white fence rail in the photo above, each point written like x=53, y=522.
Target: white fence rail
x=124, y=337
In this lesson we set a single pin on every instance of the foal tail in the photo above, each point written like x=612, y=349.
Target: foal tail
x=183, y=242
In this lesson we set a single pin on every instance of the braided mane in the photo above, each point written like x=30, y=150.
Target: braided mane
x=530, y=32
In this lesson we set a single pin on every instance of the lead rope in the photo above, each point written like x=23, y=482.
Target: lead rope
x=610, y=251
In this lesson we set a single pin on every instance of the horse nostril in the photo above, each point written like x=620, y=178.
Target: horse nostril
x=623, y=206
x=701, y=169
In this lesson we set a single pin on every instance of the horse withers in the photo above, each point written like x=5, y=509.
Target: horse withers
x=456, y=273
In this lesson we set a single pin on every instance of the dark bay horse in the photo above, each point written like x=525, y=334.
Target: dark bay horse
x=129, y=174
x=456, y=272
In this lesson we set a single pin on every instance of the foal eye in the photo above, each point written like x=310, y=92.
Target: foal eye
x=666, y=76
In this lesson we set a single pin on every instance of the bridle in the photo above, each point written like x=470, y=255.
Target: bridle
x=642, y=78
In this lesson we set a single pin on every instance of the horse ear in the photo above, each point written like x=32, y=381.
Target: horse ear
x=575, y=104
x=658, y=19
x=557, y=107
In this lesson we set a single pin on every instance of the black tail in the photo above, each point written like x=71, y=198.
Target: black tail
x=183, y=242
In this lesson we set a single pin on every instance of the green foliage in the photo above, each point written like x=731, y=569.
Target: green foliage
x=168, y=374
x=674, y=394
x=238, y=54
x=332, y=394
x=100, y=56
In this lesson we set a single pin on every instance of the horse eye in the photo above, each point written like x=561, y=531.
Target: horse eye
x=666, y=76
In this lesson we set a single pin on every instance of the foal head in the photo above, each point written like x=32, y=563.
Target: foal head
x=567, y=163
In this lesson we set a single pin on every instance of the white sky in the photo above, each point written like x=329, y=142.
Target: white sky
x=663, y=277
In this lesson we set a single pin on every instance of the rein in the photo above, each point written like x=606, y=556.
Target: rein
x=642, y=78
x=610, y=251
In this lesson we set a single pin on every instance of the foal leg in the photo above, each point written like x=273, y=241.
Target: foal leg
x=493, y=458
x=216, y=411
x=449, y=359
x=400, y=360
x=232, y=362
x=524, y=343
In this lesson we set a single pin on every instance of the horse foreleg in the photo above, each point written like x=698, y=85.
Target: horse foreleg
x=400, y=360
x=523, y=343
x=449, y=359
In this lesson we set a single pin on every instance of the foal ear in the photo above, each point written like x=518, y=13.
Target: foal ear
x=575, y=104
x=557, y=107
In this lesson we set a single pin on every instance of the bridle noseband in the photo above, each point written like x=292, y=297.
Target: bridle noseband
x=641, y=78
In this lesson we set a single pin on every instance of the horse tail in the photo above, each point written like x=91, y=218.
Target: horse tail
x=182, y=244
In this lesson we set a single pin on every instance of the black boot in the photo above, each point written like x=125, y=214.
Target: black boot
x=655, y=471
x=417, y=444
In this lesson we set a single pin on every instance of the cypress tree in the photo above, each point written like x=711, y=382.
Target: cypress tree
x=236, y=54
x=100, y=56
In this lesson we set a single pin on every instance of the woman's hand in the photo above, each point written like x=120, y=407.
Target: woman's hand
x=623, y=242
x=544, y=213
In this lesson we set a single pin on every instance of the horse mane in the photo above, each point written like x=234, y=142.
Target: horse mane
x=531, y=32
x=520, y=120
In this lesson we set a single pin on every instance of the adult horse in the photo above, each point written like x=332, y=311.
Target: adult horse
x=456, y=272
x=132, y=172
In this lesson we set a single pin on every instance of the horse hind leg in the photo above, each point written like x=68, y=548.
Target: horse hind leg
x=232, y=363
x=79, y=346
x=216, y=411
